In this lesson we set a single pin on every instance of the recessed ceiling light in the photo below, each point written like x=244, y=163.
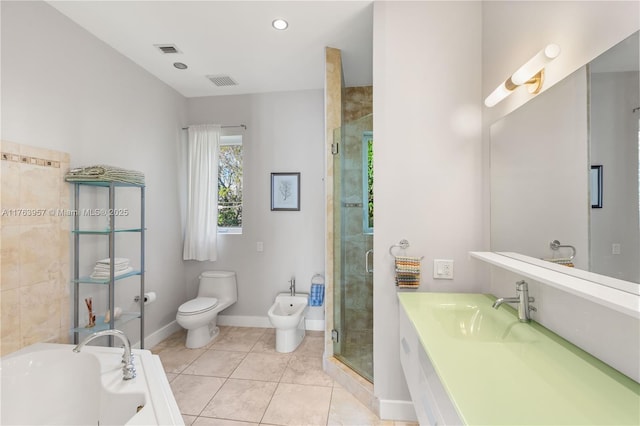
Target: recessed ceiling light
x=180, y=65
x=279, y=24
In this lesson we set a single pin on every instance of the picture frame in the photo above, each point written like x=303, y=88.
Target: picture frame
x=285, y=191
x=595, y=181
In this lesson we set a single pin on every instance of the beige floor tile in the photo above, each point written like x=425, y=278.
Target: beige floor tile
x=260, y=366
x=298, y=405
x=266, y=343
x=242, y=400
x=306, y=370
x=189, y=420
x=208, y=421
x=215, y=363
x=193, y=393
x=176, y=358
x=345, y=410
x=311, y=345
x=177, y=339
x=238, y=339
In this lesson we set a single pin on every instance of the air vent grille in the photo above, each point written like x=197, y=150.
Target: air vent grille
x=167, y=48
x=222, y=80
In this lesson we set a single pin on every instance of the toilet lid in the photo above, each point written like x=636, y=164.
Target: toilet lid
x=198, y=305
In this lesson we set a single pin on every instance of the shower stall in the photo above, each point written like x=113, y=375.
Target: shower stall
x=353, y=244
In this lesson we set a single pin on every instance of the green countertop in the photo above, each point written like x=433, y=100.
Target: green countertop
x=499, y=371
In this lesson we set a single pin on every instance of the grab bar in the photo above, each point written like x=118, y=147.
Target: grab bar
x=555, y=245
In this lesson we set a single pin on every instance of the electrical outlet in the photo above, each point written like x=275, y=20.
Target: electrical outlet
x=443, y=269
x=259, y=246
x=615, y=248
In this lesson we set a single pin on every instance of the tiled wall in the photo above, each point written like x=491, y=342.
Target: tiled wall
x=358, y=306
x=35, y=245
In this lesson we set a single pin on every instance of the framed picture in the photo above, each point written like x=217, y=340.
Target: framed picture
x=285, y=191
x=596, y=187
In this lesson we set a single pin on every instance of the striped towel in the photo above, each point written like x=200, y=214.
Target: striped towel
x=102, y=173
x=408, y=271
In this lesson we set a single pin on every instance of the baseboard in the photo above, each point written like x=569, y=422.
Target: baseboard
x=244, y=321
x=397, y=410
x=159, y=335
x=313, y=324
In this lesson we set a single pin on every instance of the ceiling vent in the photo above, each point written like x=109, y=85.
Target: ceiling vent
x=167, y=48
x=222, y=80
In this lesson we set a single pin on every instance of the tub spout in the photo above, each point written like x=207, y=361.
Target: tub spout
x=129, y=370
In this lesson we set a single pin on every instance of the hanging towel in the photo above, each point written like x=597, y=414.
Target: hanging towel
x=408, y=271
x=317, y=295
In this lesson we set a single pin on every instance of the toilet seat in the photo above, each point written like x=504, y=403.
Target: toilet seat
x=198, y=305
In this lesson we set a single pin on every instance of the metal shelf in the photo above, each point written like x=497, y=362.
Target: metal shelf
x=109, y=282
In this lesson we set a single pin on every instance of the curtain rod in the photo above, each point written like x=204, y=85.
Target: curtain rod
x=244, y=126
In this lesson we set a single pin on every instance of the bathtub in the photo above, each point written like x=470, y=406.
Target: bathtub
x=49, y=384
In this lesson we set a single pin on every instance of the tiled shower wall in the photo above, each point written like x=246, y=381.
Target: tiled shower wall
x=358, y=306
x=35, y=247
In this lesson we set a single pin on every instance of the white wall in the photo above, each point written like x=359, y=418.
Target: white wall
x=285, y=133
x=427, y=161
x=63, y=89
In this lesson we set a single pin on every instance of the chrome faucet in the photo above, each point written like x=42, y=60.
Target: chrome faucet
x=522, y=299
x=292, y=286
x=129, y=370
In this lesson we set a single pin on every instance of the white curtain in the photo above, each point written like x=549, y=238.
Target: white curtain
x=201, y=221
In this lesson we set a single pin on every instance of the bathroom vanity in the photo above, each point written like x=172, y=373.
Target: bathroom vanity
x=467, y=363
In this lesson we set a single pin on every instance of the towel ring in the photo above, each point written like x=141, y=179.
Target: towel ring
x=555, y=245
x=403, y=245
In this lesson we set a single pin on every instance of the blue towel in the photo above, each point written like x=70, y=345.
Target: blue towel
x=317, y=295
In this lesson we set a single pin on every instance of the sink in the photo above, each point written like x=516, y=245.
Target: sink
x=481, y=324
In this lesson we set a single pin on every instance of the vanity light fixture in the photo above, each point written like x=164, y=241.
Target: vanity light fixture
x=530, y=74
x=279, y=24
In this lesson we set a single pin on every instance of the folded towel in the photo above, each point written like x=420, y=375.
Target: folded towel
x=101, y=275
x=102, y=267
x=116, y=261
x=102, y=173
x=408, y=271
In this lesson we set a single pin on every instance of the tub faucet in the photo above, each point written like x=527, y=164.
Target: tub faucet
x=292, y=286
x=129, y=370
x=522, y=299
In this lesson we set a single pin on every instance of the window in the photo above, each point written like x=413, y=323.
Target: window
x=230, y=185
x=367, y=182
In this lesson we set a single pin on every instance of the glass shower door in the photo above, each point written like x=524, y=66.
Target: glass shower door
x=353, y=246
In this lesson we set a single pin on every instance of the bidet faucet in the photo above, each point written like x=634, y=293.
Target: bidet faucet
x=129, y=370
x=522, y=299
x=292, y=286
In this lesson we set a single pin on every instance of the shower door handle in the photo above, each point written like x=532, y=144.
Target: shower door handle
x=366, y=261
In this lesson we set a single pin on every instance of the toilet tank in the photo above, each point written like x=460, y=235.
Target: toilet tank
x=219, y=284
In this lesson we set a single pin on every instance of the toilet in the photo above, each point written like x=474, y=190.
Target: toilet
x=217, y=290
x=287, y=316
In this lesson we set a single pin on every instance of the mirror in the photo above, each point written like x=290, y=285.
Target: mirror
x=542, y=183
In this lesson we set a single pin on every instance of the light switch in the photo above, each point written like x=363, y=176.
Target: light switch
x=615, y=248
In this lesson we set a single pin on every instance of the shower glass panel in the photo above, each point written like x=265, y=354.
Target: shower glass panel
x=353, y=244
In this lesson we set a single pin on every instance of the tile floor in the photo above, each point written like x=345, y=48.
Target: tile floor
x=239, y=379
